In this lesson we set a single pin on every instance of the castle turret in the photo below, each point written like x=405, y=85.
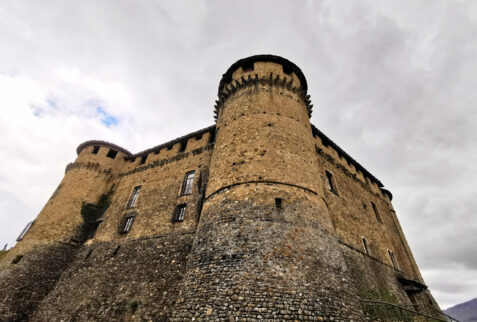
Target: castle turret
x=265, y=232
x=47, y=246
x=85, y=180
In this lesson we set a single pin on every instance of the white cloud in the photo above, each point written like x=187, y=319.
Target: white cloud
x=392, y=82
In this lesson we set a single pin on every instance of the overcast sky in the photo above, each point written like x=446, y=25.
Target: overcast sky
x=393, y=83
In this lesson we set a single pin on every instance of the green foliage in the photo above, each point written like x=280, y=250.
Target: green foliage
x=91, y=212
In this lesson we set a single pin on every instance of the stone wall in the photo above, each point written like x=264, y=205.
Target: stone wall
x=353, y=216
x=25, y=278
x=377, y=281
x=251, y=260
x=161, y=178
x=133, y=280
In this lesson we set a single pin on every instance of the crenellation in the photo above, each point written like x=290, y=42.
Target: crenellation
x=260, y=216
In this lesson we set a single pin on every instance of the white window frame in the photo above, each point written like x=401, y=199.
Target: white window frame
x=133, y=199
x=188, y=183
x=180, y=212
x=127, y=223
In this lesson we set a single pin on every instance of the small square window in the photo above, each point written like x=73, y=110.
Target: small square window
x=143, y=159
x=212, y=137
x=179, y=213
x=187, y=183
x=95, y=149
x=183, y=146
x=112, y=154
x=17, y=259
x=278, y=203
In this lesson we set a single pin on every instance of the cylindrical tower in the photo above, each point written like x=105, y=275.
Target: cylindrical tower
x=42, y=253
x=85, y=181
x=263, y=247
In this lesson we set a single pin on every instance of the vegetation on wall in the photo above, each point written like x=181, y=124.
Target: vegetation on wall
x=91, y=214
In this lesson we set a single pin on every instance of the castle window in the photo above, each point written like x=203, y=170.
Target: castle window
x=278, y=203
x=112, y=154
x=95, y=149
x=212, y=137
x=25, y=230
x=17, y=259
x=134, y=195
x=183, y=146
x=393, y=259
x=198, y=137
x=88, y=254
x=365, y=245
x=127, y=223
x=376, y=212
x=143, y=159
x=179, y=213
x=116, y=250
x=331, y=183
x=187, y=184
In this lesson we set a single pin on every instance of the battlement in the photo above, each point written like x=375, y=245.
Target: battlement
x=188, y=142
x=261, y=216
x=101, y=144
x=256, y=71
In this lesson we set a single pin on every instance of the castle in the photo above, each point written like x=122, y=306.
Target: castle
x=260, y=216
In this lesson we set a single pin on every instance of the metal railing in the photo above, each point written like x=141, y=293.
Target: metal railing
x=386, y=311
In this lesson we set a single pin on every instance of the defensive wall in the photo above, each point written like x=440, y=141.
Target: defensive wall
x=260, y=216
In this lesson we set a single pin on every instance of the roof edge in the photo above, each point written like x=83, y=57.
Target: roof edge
x=177, y=140
x=346, y=155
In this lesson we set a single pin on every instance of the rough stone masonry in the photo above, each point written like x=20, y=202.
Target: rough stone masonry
x=260, y=216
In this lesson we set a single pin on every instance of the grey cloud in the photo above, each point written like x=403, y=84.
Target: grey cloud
x=392, y=83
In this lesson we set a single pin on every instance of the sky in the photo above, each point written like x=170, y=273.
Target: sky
x=392, y=82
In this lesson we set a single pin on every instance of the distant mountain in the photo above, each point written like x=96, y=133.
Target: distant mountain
x=464, y=312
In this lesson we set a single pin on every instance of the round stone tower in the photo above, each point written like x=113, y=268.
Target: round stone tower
x=263, y=247
x=32, y=268
x=85, y=181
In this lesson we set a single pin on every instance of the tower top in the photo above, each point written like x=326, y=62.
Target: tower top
x=288, y=68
